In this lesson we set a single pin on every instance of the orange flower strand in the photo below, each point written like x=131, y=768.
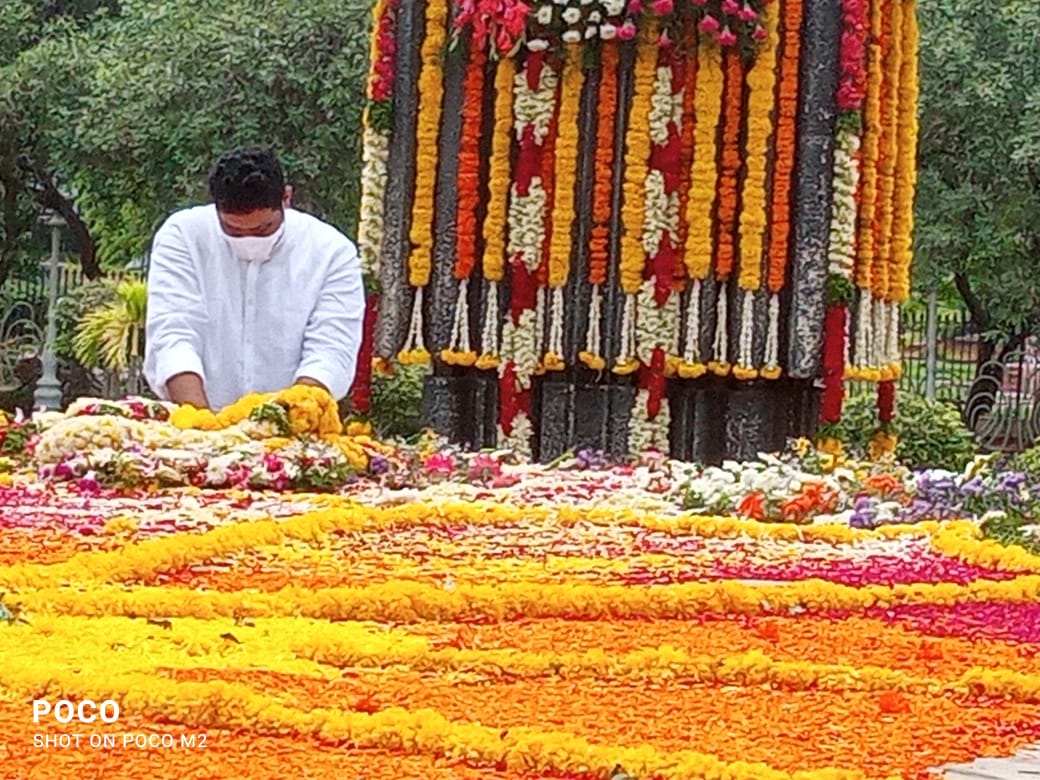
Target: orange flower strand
x=784, y=147
x=496, y=220
x=892, y=42
x=733, y=114
x=872, y=131
x=469, y=165
x=599, y=241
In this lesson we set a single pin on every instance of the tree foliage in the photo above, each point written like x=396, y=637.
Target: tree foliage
x=112, y=111
x=978, y=203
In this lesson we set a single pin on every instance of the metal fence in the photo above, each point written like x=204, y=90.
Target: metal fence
x=70, y=276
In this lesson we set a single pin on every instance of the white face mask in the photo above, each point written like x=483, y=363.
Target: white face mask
x=254, y=249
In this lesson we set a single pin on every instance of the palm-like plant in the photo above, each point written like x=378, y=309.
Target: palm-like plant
x=110, y=337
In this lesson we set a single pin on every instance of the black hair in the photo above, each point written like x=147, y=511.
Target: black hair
x=247, y=179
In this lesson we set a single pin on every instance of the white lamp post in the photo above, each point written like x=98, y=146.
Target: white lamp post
x=48, y=389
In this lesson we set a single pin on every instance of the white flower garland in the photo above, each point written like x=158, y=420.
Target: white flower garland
x=374, y=155
x=841, y=257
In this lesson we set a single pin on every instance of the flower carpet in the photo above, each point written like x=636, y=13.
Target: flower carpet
x=575, y=621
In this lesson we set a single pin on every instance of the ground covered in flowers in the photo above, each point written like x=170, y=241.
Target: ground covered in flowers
x=456, y=616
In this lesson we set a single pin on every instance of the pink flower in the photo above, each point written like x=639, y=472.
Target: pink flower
x=709, y=24
x=440, y=464
x=726, y=37
x=484, y=468
x=730, y=7
x=635, y=7
x=747, y=13
x=663, y=7
x=760, y=33
x=627, y=31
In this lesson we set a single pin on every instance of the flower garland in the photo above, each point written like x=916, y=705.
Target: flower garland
x=566, y=151
x=535, y=94
x=459, y=351
x=727, y=204
x=784, y=149
x=376, y=121
x=427, y=132
x=700, y=201
x=599, y=239
x=906, y=169
x=888, y=336
x=864, y=358
x=637, y=154
x=658, y=323
x=496, y=218
x=761, y=85
x=841, y=258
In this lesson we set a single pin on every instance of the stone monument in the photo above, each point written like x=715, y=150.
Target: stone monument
x=678, y=224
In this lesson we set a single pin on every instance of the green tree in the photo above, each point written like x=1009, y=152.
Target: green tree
x=116, y=110
x=978, y=202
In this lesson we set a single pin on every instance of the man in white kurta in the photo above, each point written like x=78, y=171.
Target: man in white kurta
x=249, y=295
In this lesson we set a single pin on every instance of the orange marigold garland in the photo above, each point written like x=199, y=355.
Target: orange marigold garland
x=784, y=147
x=599, y=240
x=906, y=169
x=495, y=221
x=427, y=132
x=563, y=214
x=459, y=351
x=727, y=204
x=887, y=336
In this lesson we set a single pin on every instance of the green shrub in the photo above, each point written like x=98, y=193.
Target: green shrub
x=397, y=402
x=931, y=434
x=1027, y=462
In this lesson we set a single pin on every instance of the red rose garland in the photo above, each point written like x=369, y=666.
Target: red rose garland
x=833, y=363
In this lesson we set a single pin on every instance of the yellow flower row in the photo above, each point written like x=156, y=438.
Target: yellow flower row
x=431, y=95
x=761, y=82
x=566, y=166
x=409, y=602
x=306, y=647
x=637, y=157
x=704, y=172
x=237, y=707
x=906, y=169
x=499, y=172
x=882, y=269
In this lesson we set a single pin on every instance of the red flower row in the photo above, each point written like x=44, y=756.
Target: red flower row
x=386, y=62
x=852, y=89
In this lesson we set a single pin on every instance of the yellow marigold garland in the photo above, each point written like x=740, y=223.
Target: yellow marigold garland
x=566, y=149
x=761, y=85
x=637, y=156
x=906, y=168
x=872, y=134
x=699, y=206
x=889, y=151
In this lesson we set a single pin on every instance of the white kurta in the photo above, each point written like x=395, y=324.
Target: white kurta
x=252, y=327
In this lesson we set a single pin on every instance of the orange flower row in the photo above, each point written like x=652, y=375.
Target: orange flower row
x=784, y=149
x=599, y=241
x=729, y=172
x=496, y=221
x=469, y=165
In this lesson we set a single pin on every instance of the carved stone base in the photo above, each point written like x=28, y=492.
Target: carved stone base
x=464, y=409
x=711, y=419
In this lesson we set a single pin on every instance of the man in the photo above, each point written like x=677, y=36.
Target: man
x=249, y=295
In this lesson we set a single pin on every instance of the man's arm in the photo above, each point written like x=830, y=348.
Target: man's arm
x=333, y=336
x=175, y=322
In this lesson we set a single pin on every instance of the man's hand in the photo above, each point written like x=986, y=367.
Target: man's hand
x=187, y=389
x=308, y=382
